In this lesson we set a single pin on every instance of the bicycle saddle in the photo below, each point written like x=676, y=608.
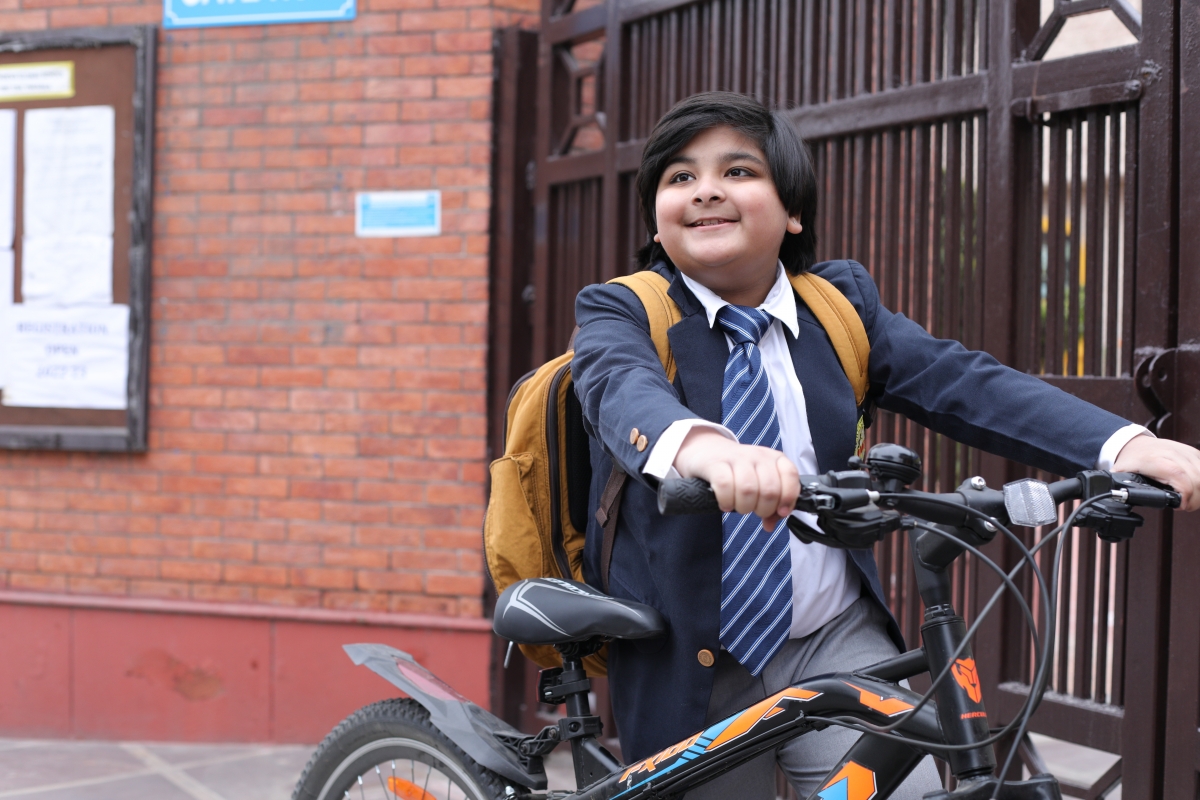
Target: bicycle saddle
x=554, y=611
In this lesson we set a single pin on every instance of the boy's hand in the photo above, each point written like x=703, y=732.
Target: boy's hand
x=1165, y=461
x=745, y=478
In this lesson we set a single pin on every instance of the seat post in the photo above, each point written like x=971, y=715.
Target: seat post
x=571, y=685
x=576, y=701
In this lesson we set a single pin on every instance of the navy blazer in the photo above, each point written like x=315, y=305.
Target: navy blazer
x=660, y=690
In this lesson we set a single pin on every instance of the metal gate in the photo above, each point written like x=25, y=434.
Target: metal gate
x=1028, y=207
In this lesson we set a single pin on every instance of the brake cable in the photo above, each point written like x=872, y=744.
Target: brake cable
x=1028, y=706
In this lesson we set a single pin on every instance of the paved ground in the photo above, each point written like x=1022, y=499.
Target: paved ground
x=58, y=770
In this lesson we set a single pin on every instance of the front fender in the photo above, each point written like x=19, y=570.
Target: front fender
x=470, y=727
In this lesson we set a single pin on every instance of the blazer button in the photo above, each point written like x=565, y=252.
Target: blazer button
x=642, y=441
x=633, y=436
x=706, y=658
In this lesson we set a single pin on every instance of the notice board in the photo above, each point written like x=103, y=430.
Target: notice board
x=76, y=137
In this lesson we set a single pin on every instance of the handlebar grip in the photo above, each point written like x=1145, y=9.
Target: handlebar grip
x=1149, y=497
x=686, y=496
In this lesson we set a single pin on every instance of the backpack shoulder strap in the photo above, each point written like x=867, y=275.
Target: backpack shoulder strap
x=663, y=312
x=651, y=289
x=843, y=325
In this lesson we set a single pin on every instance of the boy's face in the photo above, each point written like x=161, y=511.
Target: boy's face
x=719, y=216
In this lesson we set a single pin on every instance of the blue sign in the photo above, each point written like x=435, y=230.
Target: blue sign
x=213, y=13
x=398, y=213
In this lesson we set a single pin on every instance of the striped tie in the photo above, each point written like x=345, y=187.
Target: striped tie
x=756, y=569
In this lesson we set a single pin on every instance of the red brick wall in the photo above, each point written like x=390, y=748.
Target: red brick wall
x=317, y=409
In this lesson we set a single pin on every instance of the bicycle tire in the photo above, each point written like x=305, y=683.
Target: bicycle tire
x=390, y=751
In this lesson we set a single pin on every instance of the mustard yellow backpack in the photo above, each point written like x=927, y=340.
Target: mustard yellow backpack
x=538, y=506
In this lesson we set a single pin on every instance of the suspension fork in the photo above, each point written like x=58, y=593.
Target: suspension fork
x=959, y=696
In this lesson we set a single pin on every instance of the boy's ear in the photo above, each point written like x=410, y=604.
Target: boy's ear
x=793, y=224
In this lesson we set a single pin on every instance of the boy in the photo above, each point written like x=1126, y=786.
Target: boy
x=729, y=197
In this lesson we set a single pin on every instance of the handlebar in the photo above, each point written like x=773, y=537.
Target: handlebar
x=858, y=506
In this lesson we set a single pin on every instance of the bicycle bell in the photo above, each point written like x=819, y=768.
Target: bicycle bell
x=893, y=465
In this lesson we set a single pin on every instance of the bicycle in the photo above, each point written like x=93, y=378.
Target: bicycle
x=437, y=745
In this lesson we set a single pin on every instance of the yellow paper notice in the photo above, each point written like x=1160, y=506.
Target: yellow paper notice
x=45, y=80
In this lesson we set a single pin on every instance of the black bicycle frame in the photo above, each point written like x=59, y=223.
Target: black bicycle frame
x=875, y=765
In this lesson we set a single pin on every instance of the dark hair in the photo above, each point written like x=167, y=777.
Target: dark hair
x=787, y=156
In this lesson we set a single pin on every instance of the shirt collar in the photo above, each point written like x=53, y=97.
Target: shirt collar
x=779, y=303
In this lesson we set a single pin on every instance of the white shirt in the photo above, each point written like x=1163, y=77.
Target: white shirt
x=823, y=585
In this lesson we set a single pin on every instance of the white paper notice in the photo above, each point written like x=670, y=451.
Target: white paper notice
x=8, y=175
x=66, y=357
x=69, y=171
x=73, y=270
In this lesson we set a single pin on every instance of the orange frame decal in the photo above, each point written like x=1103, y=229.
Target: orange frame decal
x=888, y=706
x=852, y=782
x=967, y=675
x=764, y=709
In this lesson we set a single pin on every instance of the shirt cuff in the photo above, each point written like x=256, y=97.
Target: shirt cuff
x=1112, y=448
x=661, y=462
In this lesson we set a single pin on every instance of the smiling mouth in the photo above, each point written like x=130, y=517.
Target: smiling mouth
x=704, y=223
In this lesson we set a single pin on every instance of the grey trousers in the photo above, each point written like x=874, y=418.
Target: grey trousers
x=856, y=638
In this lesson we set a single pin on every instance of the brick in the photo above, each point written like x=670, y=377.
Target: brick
x=355, y=512
x=373, y=580
x=255, y=574
x=319, y=532
x=223, y=550
x=69, y=17
x=437, y=584
x=289, y=553
x=191, y=571
x=433, y=20
x=257, y=487
x=324, y=445
x=323, y=578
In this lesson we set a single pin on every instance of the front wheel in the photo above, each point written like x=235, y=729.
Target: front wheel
x=390, y=751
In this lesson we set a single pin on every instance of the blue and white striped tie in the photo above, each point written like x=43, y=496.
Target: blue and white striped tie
x=756, y=569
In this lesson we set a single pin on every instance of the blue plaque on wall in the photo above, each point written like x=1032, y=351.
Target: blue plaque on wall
x=212, y=13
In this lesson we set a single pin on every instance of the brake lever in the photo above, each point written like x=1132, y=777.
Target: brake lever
x=817, y=498
x=1138, y=490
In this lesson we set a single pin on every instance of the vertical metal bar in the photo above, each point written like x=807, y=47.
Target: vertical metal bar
x=759, y=45
x=861, y=37
x=1027, y=265
x=670, y=75
x=1055, y=245
x=1091, y=257
x=1113, y=366
x=1074, y=238
x=737, y=79
x=890, y=72
x=1103, y=598
x=937, y=34
x=1131, y=254
x=1121, y=608
x=968, y=37
x=954, y=229
x=953, y=35
x=922, y=42
x=1085, y=614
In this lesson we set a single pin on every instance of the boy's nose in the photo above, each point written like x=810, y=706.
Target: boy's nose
x=706, y=192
